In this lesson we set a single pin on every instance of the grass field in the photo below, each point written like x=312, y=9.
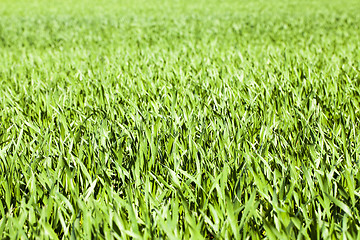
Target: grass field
x=179, y=119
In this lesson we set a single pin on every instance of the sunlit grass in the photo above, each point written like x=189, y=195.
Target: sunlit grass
x=178, y=120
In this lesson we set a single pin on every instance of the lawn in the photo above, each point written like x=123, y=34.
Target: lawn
x=179, y=119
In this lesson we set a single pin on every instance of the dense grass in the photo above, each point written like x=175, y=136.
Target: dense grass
x=177, y=120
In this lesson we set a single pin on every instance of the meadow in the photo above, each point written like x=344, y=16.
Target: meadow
x=179, y=119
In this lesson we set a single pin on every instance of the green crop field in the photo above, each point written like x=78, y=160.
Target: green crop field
x=184, y=119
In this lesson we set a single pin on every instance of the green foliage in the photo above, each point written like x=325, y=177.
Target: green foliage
x=177, y=120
